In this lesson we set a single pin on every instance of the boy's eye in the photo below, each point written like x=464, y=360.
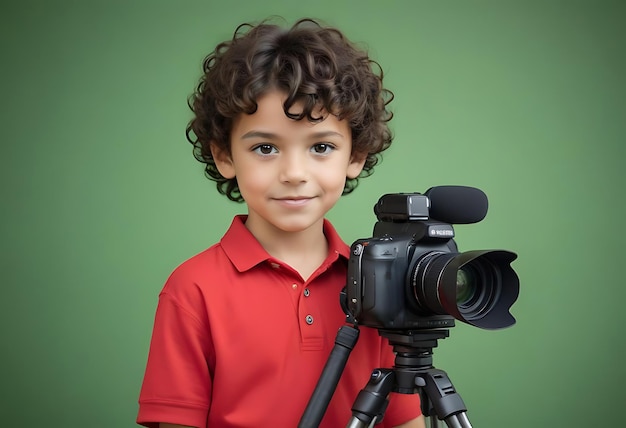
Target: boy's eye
x=265, y=149
x=322, y=148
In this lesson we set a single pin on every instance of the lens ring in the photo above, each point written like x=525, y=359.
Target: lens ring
x=419, y=273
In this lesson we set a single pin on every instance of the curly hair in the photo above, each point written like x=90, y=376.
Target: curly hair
x=313, y=65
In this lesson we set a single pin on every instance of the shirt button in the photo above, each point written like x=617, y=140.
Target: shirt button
x=306, y=292
x=309, y=319
x=294, y=286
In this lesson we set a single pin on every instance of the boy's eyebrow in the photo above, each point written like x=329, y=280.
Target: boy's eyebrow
x=259, y=134
x=270, y=136
x=324, y=134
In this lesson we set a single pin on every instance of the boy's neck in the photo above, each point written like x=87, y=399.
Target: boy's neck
x=304, y=250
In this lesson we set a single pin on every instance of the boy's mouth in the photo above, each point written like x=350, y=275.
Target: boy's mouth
x=294, y=200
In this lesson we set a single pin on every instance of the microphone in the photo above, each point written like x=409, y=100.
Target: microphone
x=457, y=204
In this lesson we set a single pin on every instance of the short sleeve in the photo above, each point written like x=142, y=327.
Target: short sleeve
x=177, y=382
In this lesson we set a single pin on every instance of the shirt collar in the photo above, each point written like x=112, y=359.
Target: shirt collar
x=245, y=252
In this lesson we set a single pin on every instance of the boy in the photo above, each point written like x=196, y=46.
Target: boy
x=286, y=120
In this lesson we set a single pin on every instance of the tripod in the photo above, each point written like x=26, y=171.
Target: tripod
x=413, y=372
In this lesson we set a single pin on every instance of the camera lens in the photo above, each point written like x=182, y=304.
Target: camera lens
x=476, y=287
x=465, y=286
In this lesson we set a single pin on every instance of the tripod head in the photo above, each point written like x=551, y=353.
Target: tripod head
x=414, y=354
x=414, y=373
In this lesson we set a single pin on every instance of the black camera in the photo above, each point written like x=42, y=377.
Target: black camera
x=411, y=276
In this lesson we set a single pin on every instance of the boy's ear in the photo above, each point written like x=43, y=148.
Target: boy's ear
x=357, y=162
x=223, y=161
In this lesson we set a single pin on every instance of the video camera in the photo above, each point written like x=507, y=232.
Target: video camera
x=411, y=276
x=410, y=282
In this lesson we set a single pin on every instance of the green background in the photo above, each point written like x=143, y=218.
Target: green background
x=101, y=197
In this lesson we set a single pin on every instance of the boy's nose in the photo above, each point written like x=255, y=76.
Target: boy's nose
x=294, y=169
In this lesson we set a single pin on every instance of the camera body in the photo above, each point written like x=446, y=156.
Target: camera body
x=410, y=275
x=379, y=292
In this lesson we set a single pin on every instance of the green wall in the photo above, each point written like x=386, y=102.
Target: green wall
x=101, y=197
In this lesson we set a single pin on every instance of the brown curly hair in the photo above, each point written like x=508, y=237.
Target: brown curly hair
x=313, y=65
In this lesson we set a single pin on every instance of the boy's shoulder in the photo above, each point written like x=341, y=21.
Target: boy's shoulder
x=237, y=250
x=196, y=267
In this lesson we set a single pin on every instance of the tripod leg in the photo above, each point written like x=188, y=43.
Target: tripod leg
x=371, y=403
x=463, y=420
x=447, y=404
x=344, y=343
x=453, y=421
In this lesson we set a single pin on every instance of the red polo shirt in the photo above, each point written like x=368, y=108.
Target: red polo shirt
x=240, y=340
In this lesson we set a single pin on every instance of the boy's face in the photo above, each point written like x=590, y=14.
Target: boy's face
x=290, y=173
